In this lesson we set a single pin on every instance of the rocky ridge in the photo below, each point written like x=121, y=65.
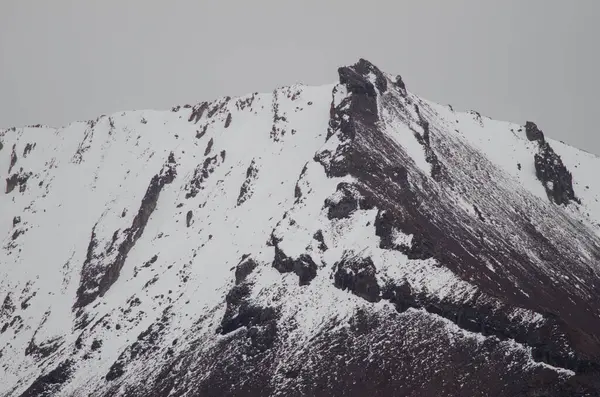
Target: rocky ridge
x=348, y=239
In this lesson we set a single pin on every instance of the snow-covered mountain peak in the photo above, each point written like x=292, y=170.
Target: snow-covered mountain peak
x=347, y=239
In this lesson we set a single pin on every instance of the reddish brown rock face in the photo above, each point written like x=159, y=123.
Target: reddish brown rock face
x=346, y=240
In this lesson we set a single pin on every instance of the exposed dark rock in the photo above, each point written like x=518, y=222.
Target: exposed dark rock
x=480, y=315
x=357, y=275
x=273, y=239
x=25, y=303
x=549, y=168
x=16, y=323
x=400, y=84
x=435, y=229
x=425, y=141
x=44, y=350
x=150, y=282
x=96, y=345
x=343, y=208
x=263, y=335
x=356, y=78
x=6, y=311
x=401, y=295
x=375, y=356
x=197, y=112
x=147, y=341
x=208, y=147
x=345, y=201
x=297, y=189
x=151, y=261
x=244, y=269
x=533, y=133
x=7, y=306
x=278, y=128
x=356, y=114
x=218, y=106
x=201, y=173
x=97, y=278
x=477, y=117
x=188, y=218
x=116, y=371
x=421, y=246
x=246, y=188
x=304, y=267
x=85, y=144
x=297, y=192
x=553, y=174
x=384, y=225
x=513, y=252
x=17, y=233
x=19, y=179
x=243, y=103
x=200, y=134
x=28, y=148
x=236, y=296
x=228, y=120
x=48, y=385
x=260, y=322
x=319, y=237
x=111, y=123
x=13, y=158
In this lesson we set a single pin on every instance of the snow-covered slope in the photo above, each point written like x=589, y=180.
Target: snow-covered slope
x=350, y=239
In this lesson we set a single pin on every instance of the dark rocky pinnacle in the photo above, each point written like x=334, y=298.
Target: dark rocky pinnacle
x=549, y=168
x=554, y=175
x=533, y=133
x=356, y=78
x=400, y=84
x=304, y=266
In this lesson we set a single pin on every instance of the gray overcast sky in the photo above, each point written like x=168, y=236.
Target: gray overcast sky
x=516, y=60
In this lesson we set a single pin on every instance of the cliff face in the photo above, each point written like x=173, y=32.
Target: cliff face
x=351, y=239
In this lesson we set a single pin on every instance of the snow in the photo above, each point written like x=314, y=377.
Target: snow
x=506, y=145
x=93, y=175
x=404, y=133
x=61, y=214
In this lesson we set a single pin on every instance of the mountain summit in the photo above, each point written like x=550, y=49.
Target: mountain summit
x=346, y=240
